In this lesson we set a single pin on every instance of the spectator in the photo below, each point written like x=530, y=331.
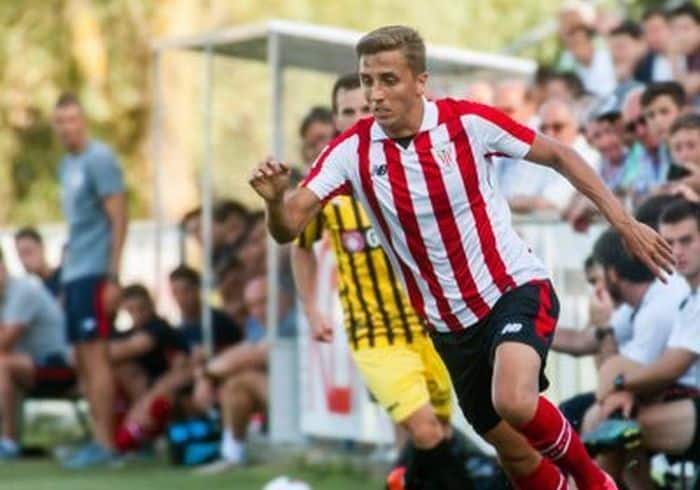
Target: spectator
x=605, y=136
x=532, y=188
x=241, y=375
x=643, y=333
x=30, y=250
x=685, y=149
x=151, y=363
x=481, y=92
x=657, y=35
x=592, y=64
x=630, y=55
x=316, y=131
x=565, y=86
x=95, y=208
x=229, y=227
x=253, y=251
x=231, y=276
x=662, y=103
x=666, y=426
x=32, y=337
x=685, y=29
x=512, y=98
x=186, y=284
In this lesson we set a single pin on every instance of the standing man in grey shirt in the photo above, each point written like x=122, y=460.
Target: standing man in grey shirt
x=95, y=208
x=32, y=336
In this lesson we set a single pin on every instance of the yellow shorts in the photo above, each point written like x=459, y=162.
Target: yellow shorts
x=404, y=377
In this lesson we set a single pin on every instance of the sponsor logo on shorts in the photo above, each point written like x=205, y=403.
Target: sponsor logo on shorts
x=512, y=328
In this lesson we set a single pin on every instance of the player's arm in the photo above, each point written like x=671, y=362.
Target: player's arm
x=115, y=207
x=132, y=346
x=641, y=240
x=287, y=211
x=660, y=374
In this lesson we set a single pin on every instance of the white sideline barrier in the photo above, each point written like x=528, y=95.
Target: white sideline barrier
x=325, y=369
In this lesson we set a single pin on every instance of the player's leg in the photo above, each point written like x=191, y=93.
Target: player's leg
x=523, y=323
x=89, y=326
x=16, y=375
x=467, y=357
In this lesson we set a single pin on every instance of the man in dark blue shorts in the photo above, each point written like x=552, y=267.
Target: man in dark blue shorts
x=95, y=209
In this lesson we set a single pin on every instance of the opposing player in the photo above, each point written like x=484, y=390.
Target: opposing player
x=389, y=344
x=421, y=170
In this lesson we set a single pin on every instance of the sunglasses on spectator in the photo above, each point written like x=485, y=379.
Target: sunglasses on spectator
x=556, y=127
x=632, y=126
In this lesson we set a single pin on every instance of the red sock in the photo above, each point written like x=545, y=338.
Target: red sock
x=128, y=437
x=551, y=434
x=545, y=477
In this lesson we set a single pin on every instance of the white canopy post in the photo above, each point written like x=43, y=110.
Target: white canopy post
x=157, y=203
x=207, y=199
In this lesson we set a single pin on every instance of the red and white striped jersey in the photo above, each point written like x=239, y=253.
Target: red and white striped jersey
x=445, y=227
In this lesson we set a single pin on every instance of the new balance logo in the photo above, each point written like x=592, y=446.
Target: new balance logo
x=446, y=157
x=512, y=328
x=379, y=170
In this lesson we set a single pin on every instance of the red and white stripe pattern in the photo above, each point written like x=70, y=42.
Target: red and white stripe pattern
x=446, y=229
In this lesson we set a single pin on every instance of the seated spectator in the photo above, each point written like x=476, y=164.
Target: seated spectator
x=32, y=337
x=657, y=35
x=593, y=64
x=239, y=377
x=684, y=142
x=532, y=188
x=231, y=278
x=662, y=103
x=565, y=86
x=253, y=250
x=186, y=284
x=643, y=332
x=481, y=92
x=316, y=130
x=512, y=98
x=667, y=423
x=685, y=29
x=642, y=143
x=30, y=250
x=630, y=55
x=150, y=364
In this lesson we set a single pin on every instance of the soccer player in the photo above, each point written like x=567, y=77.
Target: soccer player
x=421, y=171
x=389, y=345
x=94, y=204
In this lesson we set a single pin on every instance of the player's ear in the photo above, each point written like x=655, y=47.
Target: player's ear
x=421, y=83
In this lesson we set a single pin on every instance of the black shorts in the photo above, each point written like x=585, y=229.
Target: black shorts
x=528, y=315
x=86, y=315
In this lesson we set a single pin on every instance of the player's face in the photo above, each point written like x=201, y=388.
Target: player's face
x=393, y=91
x=352, y=106
x=660, y=115
x=31, y=254
x=139, y=310
x=684, y=238
x=685, y=147
x=69, y=124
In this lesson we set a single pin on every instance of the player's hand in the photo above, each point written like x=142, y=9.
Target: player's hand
x=648, y=246
x=600, y=307
x=270, y=179
x=321, y=328
x=622, y=400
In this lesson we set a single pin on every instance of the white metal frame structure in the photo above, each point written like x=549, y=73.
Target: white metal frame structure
x=282, y=44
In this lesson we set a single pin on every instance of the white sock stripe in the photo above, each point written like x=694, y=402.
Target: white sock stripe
x=562, y=482
x=558, y=440
x=562, y=445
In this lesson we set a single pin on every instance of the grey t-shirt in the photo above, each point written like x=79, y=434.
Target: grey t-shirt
x=86, y=179
x=28, y=303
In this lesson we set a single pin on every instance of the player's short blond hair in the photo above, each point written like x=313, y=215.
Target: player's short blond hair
x=391, y=38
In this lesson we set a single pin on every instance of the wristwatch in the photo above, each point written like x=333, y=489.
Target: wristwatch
x=619, y=382
x=602, y=332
